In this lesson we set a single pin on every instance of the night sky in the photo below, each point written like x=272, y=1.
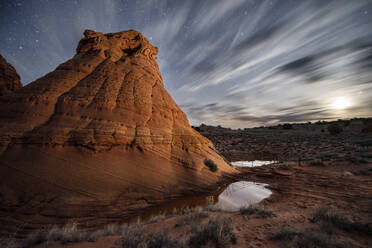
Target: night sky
x=235, y=63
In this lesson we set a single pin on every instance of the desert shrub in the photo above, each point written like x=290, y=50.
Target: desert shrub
x=35, y=239
x=256, y=209
x=363, y=143
x=364, y=171
x=217, y=231
x=67, y=234
x=311, y=239
x=71, y=234
x=213, y=208
x=133, y=236
x=196, y=216
x=9, y=243
x=308, y=238
x=162, y=240
x=367, y=155
x=158, y=218
x=341, y=222
x=284, y=233
x=359, y=160
x=316, y=163
x=111, y=229
x=334, y=129
x=346, y=123
x=211, y=165
x=287, y=126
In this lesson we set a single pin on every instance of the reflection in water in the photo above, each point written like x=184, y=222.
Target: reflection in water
x=242, y=194
x=254, y=163
x=231, y=198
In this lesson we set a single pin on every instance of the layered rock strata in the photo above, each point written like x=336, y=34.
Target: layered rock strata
x=100, y=130
x=9, y=78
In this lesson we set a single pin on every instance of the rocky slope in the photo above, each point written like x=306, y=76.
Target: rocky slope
x=9, y=78
x=98, y=138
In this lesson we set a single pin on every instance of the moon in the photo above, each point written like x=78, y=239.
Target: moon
x=341, y=103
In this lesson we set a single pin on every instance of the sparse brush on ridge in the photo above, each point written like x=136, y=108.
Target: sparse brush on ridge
x=287, y=126
x=256, y=209
x=334, y=129
x=212, y=166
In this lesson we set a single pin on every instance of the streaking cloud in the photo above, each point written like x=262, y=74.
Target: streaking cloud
x=234, y=63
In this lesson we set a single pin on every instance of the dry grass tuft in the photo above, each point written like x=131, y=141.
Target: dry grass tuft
x=342, y=222
x=133, y=236
x=217, y=231
x=256, y=209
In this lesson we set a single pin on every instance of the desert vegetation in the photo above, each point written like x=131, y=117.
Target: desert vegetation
x=335, y=129
x=256, y=209
x=199, y=228
x=342, y=222
x=211, y=165
x=306, y=238
x=324, y=233
x=217, y=231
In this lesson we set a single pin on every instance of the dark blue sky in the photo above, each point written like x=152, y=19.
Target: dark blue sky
x=236, y=63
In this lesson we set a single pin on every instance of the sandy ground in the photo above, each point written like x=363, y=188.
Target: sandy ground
x=297, y=193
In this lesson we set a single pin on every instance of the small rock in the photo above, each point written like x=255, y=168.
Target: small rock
x=347, y=173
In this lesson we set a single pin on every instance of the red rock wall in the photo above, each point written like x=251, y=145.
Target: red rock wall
x=9, y=78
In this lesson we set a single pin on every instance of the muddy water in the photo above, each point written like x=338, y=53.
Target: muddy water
x=253, y=163
x=230, y=198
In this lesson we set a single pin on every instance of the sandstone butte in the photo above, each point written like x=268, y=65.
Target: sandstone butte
x=98, y=138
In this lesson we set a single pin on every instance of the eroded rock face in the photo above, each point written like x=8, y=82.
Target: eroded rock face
x=101, y=126
x=9, y=78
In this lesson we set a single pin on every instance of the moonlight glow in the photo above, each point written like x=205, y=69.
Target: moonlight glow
x=341, y=103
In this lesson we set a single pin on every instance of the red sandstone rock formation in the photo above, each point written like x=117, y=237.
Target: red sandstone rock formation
x=101, y=128
x=9, y=78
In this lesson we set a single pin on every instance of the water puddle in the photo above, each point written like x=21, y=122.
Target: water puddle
x=231, y=198
x=241, y=194
x=254, y=163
